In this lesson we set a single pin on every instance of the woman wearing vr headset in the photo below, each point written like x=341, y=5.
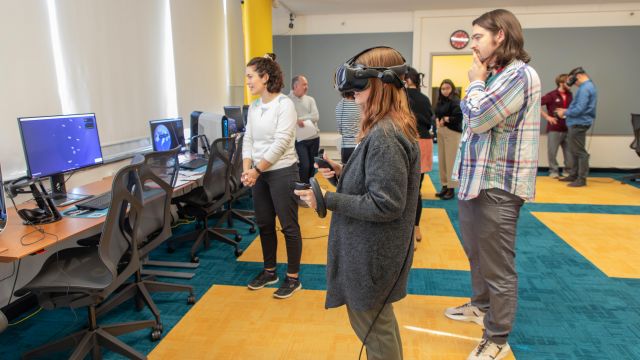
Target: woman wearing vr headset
x=370, y=247
x=270, y=166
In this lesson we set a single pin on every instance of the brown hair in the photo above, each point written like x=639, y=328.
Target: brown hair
x=386, y=99
x=513, y=45
x=561, y=78
x=267, y=65
x=454, y=91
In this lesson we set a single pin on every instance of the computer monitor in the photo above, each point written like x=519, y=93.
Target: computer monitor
x=234, y=116
x=3, y=205
x=54, y=145
x=167, y=134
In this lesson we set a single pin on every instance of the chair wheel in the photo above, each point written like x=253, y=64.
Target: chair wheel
x=159, y=327
x=238, y=237
x=191, y=300
x=156, y=335
x=252, y=230
x=195, y=259
x=238, y=252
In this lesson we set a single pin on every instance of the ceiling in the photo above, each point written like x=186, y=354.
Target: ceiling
x=320, y=7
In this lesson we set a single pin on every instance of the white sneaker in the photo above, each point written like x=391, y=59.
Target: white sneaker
x=466, y=312
x=488, y=350
x=554, y=175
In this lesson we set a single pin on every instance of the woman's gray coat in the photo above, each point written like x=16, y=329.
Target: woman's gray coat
x=374, y=210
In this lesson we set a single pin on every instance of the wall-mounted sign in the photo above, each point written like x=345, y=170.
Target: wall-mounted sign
x=459, y=39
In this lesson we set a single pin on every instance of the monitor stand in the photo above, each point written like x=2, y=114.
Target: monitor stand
x=59, y=193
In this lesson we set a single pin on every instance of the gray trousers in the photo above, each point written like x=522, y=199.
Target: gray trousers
x=383, y=342
x=448, y=142
x=488, y=227
x=555, y=139
x=577, y=142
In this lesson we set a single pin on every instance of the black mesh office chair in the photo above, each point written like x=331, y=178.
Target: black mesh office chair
x=210, y=199
x=237, y=189
x=635, y=144
x=86, y=276
x=158, y=173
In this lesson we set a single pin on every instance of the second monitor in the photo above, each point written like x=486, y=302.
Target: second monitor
x=167, y=134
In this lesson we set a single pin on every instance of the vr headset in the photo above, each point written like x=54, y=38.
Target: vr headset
x=355, y=77
x=573, y=75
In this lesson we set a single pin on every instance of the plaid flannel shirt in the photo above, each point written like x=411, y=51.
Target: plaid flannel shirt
x=500, y=134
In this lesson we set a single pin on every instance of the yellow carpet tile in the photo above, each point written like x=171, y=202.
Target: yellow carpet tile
x=440, y=247
x=428, y=191
x=610, y=242
x=231, y=322
x=599, y=191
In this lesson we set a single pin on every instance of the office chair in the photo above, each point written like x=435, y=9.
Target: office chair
x=209, y=199
x=158, y=173
x=237, y=189
x=86, y=276
x=635, y=144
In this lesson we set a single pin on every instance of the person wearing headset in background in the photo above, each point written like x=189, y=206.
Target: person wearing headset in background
x=449, y=123
x=556, y=126
x=370, y=247
x=496, y=166
x=421, y=107
x=348, y=119
x=580, y=116
x=270, y=167
x=307, y=146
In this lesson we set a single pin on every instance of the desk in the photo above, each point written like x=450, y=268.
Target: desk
x=67, y=229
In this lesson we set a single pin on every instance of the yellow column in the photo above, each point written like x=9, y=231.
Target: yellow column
x=258, y=37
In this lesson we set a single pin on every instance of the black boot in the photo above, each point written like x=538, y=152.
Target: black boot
x=442, y=191
x=448, y=195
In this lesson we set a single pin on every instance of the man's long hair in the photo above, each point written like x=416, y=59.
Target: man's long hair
x=513, y=45
x=386, y=99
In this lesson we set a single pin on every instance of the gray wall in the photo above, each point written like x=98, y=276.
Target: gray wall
x=609, y=54
x=317, y=56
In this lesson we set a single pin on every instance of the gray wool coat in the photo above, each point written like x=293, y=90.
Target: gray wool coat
x=374, y=210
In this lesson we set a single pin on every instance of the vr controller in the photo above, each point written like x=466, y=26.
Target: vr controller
x=321, y=206
x=324, y=164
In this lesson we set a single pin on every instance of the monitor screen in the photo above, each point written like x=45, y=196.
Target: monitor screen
x=3, y=205
x=58, y=144
x=234, y=114
x=167, y=134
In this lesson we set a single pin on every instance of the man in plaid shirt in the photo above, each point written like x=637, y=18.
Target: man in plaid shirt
x=496, y=166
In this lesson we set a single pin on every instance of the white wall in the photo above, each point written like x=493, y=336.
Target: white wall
x=431, y=31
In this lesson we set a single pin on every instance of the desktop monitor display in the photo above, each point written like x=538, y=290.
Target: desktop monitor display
x=58, y=144
x=167, y=134
x=235, y=119
x=3, y=205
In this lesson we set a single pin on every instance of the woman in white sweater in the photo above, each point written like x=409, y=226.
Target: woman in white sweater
x=270, y=166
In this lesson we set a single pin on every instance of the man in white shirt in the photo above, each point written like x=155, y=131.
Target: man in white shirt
x=307, y=132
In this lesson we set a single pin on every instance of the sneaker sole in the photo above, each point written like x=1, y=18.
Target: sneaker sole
x=260, y=287
x=287, y=296
x=473, y=319
x=503, y=354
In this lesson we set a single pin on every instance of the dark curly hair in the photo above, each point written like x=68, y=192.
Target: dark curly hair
x=267, y=65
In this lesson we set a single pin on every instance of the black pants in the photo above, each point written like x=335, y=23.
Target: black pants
x=306, y=150
x=577, y=142
x=345, y=154
x=273, y=196
x=419, y=209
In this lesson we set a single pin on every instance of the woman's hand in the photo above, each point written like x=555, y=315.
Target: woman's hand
x=445, y=120
x=328, y=173
x=249, y=177
x=309, y=197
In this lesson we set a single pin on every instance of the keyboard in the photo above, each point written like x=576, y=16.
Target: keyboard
x=194, y=163
x=98, y=202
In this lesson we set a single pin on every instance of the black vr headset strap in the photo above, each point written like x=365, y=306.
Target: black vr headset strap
x=353, y=59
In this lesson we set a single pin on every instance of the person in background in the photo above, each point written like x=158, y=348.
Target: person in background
x=370, y=247
x=496, y=166
x=421, y=108
x=449, y=123
x=308, y=142
x=348, y=119
x=580, y=117
x=556, y=126
x=270, y=167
